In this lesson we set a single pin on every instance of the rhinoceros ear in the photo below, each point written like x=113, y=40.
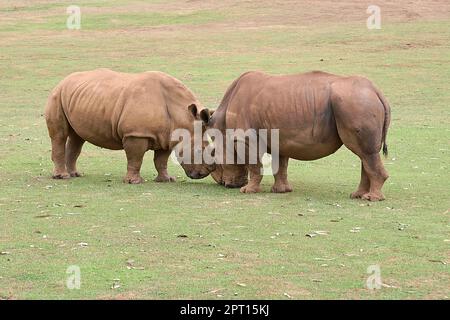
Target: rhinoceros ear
x=205, y=115
x=193, y=110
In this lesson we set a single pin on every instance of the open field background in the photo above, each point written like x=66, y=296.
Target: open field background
x=236, y=246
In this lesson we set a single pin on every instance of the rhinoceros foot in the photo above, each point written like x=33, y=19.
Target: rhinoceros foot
x=133, y=179
x=250, y=189
x=373, y=196
x=281, y=188
x=165, y=179
x=61, y=175
x=75, y=174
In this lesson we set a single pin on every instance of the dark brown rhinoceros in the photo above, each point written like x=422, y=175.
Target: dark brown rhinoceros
x=114, y=110
x=315, y=112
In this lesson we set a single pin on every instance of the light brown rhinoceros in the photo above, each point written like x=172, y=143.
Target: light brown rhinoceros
x=315, y=113
x=114, y=110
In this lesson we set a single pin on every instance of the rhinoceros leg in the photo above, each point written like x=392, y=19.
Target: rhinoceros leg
x=359, y=117
x=373, y=174
x=281, y=184
x=377, y=175
x=364, y=185
x=135, y=149
x=253, y=185
x=58, y=154
x=73, y=150
x=160, y=160
x=58, y=129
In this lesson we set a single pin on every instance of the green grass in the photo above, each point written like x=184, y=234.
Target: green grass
x=256, y=240
x=115, y=21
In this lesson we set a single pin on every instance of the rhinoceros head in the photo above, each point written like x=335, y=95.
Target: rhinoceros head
x=192, y=159
x=228, y=175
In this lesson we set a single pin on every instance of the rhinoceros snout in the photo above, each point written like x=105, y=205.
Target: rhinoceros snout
x=197, y=175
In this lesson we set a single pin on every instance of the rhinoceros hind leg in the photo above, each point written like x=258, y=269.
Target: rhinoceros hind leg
x=58, y=154
x=253, y=185
x=73, y=150
x=160, y=160
x=135, y=149
x=59, y=172
x=377, y=175
x=281, y=184
x=373, y=196
x=60, y=175
x=364, y=185
x=360, y=118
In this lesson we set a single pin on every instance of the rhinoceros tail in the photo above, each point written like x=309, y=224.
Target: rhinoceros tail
x=387, y=120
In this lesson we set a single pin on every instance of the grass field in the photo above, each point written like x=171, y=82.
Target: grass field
x=195, y=239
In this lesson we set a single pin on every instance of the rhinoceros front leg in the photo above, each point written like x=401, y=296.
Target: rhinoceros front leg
x=254, y=184
x=281, y=184
x=160, y=161
x=135, y=149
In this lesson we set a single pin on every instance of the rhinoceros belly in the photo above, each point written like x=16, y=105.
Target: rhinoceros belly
x=309, y=140
x=301, y=145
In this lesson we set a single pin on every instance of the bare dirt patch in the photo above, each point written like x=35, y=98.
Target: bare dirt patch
x=240, y=16
x=254, y=13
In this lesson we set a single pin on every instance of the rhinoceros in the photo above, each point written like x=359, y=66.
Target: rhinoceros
x=114, y=110
x=315, y=112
